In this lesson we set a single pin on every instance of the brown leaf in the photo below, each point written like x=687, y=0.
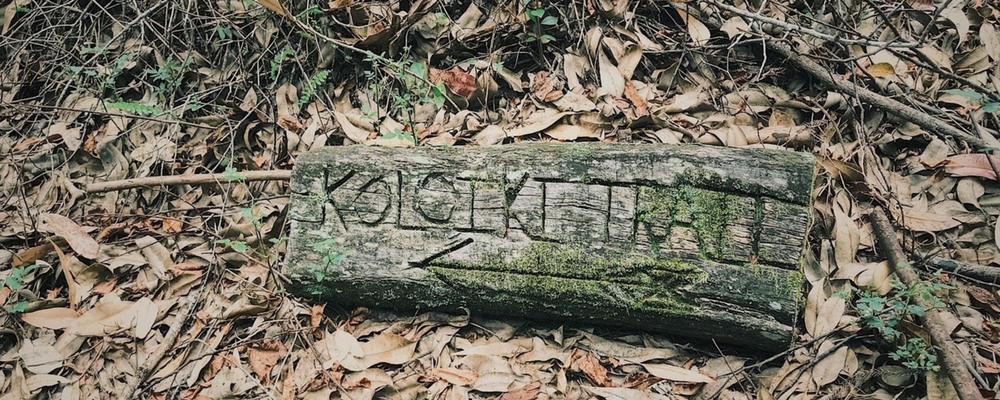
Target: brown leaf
x=172, y=225
x=264, y=357
x=77, y=238
x=290, y=124
x=527, y=392
x=676, y=374
x=30, y=255
x=275, y=5
x=633, y=96
x=52, y=318
x=591, y=366
x=973, y=165
x=459, y=82
x=455, y=376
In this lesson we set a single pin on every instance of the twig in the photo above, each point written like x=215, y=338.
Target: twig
x=249, y=176
x=142, y=373
x=811, y=32
x=111, y=114
x=975, y=271
x=887, y=104
x=921, y=60
x=954, y=364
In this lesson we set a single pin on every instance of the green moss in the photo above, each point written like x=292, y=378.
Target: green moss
x=569, y=274
x=708, y=212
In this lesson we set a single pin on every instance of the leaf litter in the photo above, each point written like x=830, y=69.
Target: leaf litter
x=94, y=283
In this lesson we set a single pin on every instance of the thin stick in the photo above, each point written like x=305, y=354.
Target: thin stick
x=811, y=32
x=887, y=104
x=249, y=176
x=168, y=343
x=954, y=363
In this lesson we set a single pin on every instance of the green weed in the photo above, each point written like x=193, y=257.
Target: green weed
x=885, y=313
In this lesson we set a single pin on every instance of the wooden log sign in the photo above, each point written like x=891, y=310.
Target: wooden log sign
x=690, y=240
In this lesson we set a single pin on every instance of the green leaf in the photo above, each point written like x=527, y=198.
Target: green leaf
x=530, y=38
x=239, y=246
x=135, y=108
x=231, y=175
x=550, y=20
x=536, y=13
x=547, y=38
x=438, y=91
x=991, y=107
x=419, y=69
x=19, y=307
x=969, y=94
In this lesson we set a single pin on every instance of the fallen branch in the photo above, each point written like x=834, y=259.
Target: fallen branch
x=889, y=105
x=975, y=271
x=954, y=364
x=249, y=176
x=788, y=27
x=111, y=114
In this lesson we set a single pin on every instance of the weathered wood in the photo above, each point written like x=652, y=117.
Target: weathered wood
x=691, y=240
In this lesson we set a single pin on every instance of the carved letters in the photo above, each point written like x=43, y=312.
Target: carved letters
x=657, y=219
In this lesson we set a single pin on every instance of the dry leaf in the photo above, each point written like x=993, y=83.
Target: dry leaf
x=77, y=238
x=591, y=366
x=699, y=33
x=828, y=368
x=676, y=374
x=973, y=165
x=52, y=318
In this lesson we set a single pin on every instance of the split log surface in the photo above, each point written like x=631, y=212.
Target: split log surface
x=690, y=240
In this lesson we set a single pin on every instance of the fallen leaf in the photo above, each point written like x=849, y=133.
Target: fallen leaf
x=77, y=238
x=979, y=165
x=275, y=5
x=881, y=69
x=698, y=31
x=592, y=367
x=828, y=368
x=52, y=318
x=676, y=374
x=263, y=357
x=459, y=82
x=527, y=392
x=633, y=96
x=455, y=376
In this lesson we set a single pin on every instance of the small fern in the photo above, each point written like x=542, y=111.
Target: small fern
x=311, y=86
x=135, y=108
x=278, y=59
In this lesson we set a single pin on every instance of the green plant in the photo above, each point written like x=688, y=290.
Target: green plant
x=231, y=174
x=170, y=75
x=538, y=22
x=103, y=77
x=333, y=253
x=405, y=85
x=311, y=85
x=15, y=281
x=915, y=354
x=986, y=102
x=278, y=60
x=885, y=313
x=225, y=32
x=238, y=245
x=135, y=108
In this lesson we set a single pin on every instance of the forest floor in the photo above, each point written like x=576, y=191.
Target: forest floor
x=167, y=289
